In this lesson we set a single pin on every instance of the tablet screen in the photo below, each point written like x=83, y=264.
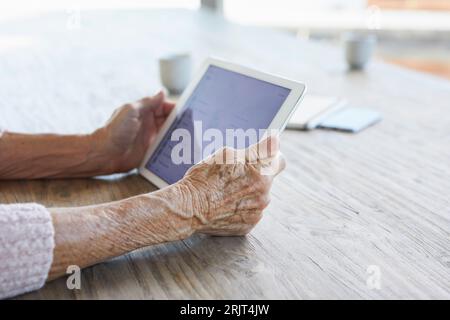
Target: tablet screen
x=223, y=105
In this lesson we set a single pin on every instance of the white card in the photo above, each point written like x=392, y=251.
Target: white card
x=312, y=109
x=350, y=119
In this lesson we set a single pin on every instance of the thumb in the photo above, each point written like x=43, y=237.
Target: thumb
x=159, y=97
x=266, y=148
x=151, y=102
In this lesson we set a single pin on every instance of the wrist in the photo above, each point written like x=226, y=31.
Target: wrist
x=195, y=202
x=98, y=153
x=161, y=216
x=183, y=205
x=95, y=162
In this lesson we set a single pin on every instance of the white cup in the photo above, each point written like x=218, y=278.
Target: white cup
x=175, y=72
x=358, y=49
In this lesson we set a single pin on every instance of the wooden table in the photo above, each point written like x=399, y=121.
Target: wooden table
x=347, y=205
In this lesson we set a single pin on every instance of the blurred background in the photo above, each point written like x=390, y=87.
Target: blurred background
x=411, y=33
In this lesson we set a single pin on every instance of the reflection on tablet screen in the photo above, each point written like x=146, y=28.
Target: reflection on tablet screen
x=222, y=100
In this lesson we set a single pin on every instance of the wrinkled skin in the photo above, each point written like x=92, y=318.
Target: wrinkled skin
x=212, y=198
x=118, y=146
x=229, y=198
x=131, y=129
x=224, y=199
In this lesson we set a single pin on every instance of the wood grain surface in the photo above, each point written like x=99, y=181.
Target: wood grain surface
x=344, y=203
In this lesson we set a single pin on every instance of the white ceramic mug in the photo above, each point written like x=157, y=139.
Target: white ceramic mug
x=175, y=72
x=358, y=49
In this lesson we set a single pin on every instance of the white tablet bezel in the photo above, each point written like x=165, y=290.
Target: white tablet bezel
x=279, y=121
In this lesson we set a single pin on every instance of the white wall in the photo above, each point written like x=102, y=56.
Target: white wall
x=258, y=10
x=20, y=8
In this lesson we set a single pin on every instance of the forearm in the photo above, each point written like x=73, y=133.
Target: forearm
x=27, y=156
x=88, y=235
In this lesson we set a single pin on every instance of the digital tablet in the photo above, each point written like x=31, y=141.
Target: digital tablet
x=224, y=105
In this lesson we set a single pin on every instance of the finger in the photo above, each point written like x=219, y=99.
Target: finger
x=235, y=226
x=266, y=148
x=244, y=217
x=151, y=112
x=151, y=103
x=224, y=155
x=126, y=110
x=255, y=202
x=159, y=122
x=149, y=126
x=168, y=106
x=162, y=112
x=148, y=131
x=233, y=219
x=272, y=167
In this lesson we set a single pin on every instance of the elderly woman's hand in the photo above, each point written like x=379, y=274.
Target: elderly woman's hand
x=119, y=146
x=228, y=197
x=214, y=197
x=129, y=132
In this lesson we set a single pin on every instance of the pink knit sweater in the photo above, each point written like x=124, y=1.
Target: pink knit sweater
x=26, y=248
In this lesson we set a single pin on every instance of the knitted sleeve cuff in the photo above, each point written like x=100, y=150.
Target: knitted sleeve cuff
x=26, y=248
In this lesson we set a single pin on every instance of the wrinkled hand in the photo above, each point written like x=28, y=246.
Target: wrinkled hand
x=228, y=199
x=131, y=129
